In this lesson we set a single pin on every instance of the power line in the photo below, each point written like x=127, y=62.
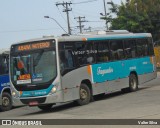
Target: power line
x=61, y=14
x=83, y=12
x=84, y=2
x=95, y=21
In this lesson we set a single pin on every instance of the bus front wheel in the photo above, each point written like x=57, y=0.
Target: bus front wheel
x=85, y=95
x=6, y=102
x=133, y=83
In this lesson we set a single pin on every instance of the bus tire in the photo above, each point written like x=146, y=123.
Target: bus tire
x=45, y=107
x=6, y=102
x=133, y=83
x=85, y=95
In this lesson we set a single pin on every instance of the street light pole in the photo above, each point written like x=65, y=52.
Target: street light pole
x=56, y=22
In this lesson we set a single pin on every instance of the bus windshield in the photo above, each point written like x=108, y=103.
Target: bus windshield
x=28, y=67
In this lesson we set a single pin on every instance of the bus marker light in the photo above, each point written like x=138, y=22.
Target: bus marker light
x=89, y=69
x=20, y=92
x=84, y=39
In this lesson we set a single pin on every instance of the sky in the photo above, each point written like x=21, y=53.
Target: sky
x=24, y=19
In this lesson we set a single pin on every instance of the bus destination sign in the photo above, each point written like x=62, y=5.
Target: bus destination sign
x=34, y=46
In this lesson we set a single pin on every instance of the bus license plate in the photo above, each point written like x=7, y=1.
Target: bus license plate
x=33, y=103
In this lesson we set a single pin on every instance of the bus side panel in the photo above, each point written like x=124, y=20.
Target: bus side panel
x=117, y=85
x=116, y=72
x=147, y=70
x=4, y=82
x=147, y=77
x=0, y=94
x=107, y=77
x=71, y=83
x=72, y=80
x=99, y=88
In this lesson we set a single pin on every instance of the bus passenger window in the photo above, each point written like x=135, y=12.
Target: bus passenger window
x=63, y=64
x=150, y=47
x=103, y=54
x=117, y=52
x=142, y=47
x=69, y=58
x=85, y=53
x=90, y=53
x=3, y=65
x=130, y=48
x=66, y=57
x=80, y=53
x=66, y=60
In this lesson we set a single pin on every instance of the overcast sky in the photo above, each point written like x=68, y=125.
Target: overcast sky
x=24, y=19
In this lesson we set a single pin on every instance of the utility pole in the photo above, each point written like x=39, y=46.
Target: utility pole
x=80, y=20
x=88, y=29
x=136, y=4
x=66, y=9
x=105, y=13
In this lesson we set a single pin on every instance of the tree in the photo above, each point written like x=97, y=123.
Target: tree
x=138, y=16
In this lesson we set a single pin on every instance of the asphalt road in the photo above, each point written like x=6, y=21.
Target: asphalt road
x=142, y=104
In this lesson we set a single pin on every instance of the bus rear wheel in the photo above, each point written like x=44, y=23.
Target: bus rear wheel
x=133, y=83
x=85, y=95
x=6, y=102
x=45, y=107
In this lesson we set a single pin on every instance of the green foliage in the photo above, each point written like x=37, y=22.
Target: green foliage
x=141, y=17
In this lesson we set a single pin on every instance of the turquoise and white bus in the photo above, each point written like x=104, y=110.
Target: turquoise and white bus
x=53, y=70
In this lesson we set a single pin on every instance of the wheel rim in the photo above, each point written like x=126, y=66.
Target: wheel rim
x=133, y=83
x=83, y=94
x=5, y=101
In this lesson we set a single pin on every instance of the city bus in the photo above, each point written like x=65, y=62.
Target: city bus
x=5, y=92
x=54, y=70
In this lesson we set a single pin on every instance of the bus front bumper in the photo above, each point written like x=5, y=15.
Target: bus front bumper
x=35, y=101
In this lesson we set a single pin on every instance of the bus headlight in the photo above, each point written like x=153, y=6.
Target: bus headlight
x=13, y=93
x=54, y=89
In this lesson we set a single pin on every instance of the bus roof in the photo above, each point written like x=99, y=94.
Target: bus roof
x=90, y=36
